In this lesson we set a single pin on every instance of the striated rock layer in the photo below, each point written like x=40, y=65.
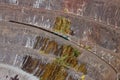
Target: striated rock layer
x=61, y=39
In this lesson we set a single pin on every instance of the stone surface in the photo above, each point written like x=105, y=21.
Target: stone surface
x=83, y=29
x=94, y=29
x=8, y=45
x=12, y=73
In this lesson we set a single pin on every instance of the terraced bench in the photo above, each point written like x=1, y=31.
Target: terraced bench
x=82, y=30
x=102, y=11
x=80, y=35
x=17, y=37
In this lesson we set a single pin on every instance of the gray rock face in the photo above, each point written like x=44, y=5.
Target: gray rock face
x=28, y=29
x=105, y=11
x=83, y=29
x=13, y=52
x=12, y=73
